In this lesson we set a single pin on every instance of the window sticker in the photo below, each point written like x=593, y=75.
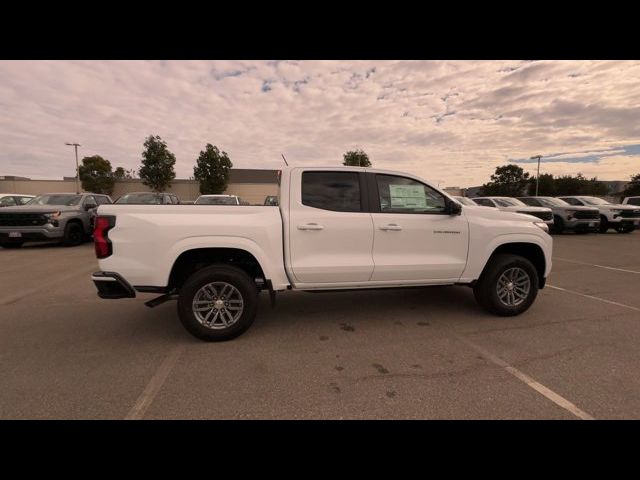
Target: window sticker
x=407, y=196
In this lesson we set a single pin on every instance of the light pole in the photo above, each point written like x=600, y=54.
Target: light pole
x=538, y=175
x=76, y=145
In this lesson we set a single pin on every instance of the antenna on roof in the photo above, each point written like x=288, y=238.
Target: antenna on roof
x=285, y=160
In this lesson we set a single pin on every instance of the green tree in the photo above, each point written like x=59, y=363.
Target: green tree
x=508, y=180
x=96, y=176
x=633, y=187
x=120, y=173
x=546, y=185
x=580, y=185
x=157, y=164
x=212, y=170
x=356, y=158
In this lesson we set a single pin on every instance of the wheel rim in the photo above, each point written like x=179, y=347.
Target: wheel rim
x=75, y=235
x=217, y=305
x=513, y=286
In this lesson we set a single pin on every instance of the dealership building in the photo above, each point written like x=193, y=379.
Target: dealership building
x=251, y=185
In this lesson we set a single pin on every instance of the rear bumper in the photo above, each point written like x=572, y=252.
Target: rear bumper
x=111, y=285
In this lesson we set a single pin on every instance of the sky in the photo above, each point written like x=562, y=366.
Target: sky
x=450, y=122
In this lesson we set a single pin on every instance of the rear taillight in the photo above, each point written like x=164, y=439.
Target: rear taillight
x=102, y=225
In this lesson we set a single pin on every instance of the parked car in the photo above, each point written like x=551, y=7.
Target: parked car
x=67, y=217
x=271, y=200
x=565, y=216
x=631, y=201
x=622, y=218
x=465, y=201
x=217, y=200
x=148, y=198
x=335, y=228
x=508, y=204
x=14, y=199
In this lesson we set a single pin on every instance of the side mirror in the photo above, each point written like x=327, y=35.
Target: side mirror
x=454, y=208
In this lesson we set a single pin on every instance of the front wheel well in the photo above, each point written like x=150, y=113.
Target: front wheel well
x=191, y=261
x=530, y=251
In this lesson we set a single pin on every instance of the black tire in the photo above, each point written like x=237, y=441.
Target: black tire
x=11, y=245
x=73, y=235
x=558, y=225
x=485, y=290
x=604, y=224
x=218, y=273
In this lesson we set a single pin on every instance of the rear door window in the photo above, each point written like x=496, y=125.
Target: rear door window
x=336, y=191
x=7, y=202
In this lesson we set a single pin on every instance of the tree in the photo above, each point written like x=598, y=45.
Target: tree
x=157, y=164
x=120, y=174
x=212, y=170
x=633, y=187
x=580, y=185
x=356, y=158
x=96, y=176
x=508, y=180
x=546, y=185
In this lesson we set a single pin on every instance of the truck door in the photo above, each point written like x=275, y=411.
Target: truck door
x=330, y=228
x=414, y=238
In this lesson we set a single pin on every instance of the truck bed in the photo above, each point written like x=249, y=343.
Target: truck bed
x=147, y=239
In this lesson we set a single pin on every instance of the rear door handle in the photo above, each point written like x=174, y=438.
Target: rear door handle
x=310, y=226
x=392, y=226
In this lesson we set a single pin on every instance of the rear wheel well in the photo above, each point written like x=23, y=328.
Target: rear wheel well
x=191, y=261
x=530, y=251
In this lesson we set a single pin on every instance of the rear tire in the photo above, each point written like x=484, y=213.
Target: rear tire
x=493, y=292
x=604, y=224
x=73, y=235
x=11, y=245
x=204, y=289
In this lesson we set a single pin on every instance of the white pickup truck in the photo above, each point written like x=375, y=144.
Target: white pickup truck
x=335, y=228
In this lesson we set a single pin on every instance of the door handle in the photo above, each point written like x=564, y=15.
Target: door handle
x=310, y=226
x=392, y=226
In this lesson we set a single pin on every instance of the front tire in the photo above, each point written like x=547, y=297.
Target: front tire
x=73, y=235
x=604, y=224
x=558, y=225
x=508, y=285
x=218, y=303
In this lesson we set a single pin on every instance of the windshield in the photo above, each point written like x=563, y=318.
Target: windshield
x=552, y=202
x=466, y=201
x=61, y=199
x=594, y=201
x=216, y=201
x=509, y=202
x=141, y=199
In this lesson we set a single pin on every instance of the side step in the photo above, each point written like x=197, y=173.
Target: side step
x=161, y=299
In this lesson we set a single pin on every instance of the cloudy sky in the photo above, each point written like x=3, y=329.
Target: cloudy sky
x=451, y=122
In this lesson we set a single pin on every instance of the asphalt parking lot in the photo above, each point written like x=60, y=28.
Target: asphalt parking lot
x=422, y=353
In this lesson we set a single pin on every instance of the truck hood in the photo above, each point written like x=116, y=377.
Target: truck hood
x=496, y=214
x=39, y=209
x=523, y=208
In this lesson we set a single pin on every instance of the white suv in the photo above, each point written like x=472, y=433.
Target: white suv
x=622, y=218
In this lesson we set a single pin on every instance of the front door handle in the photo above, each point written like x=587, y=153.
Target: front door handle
x=310, y=226
x=392, y=226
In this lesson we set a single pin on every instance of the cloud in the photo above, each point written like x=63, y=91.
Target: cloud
x=452, y=122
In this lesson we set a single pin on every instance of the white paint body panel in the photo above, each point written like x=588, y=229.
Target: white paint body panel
x=349, y=251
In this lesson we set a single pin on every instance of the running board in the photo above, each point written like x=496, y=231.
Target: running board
x=161, y=299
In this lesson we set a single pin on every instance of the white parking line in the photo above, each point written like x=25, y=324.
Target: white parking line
x=595, y=298
x=594, y=265
x=530, y=382
x=155, y=384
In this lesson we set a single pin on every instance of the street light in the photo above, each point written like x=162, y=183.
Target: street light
x=538, y=175
x=76, y=145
